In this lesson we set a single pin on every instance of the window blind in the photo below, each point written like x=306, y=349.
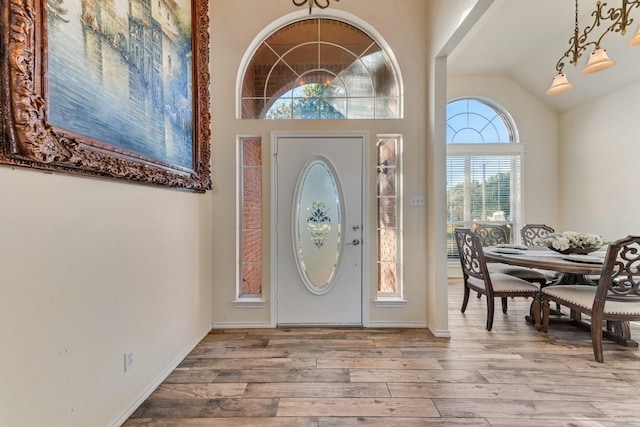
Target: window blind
x=482, y=188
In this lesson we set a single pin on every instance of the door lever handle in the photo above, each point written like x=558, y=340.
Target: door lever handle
x=354, y=242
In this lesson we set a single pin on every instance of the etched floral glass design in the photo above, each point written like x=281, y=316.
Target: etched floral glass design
x=317, y=225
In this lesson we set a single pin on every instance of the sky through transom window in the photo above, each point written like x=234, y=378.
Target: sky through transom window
x=471, y=121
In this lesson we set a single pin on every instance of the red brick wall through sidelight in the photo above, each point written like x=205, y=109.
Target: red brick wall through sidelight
x=387, y=216
x=251, y=216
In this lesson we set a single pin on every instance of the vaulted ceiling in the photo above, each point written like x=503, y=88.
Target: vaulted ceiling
x=524, y=39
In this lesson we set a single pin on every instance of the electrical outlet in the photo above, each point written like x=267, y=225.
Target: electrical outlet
x=128, y=361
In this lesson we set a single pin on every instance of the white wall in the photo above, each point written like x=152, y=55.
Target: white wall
x=448, y=21
x=91, y=269
x=403, y=24
x=538, y=128
x=599, y=166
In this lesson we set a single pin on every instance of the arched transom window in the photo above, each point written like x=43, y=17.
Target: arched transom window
x=320, y=69
x=473, y=121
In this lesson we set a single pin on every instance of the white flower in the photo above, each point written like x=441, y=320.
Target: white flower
x=572, y=240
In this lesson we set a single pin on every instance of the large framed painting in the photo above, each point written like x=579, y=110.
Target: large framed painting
x=107, y=88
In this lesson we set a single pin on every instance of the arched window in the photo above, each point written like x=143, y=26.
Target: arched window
x=320, y=69
x=483, y=167
x=473, y=121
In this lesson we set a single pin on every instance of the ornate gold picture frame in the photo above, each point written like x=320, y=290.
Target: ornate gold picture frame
x=115, y=89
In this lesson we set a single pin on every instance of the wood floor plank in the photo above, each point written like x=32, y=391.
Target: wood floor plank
x=332, y=344
x=187, y=364
x=524, y=422
x=304, y=353
x=199, y=391
x=260, y=363
x=624, y=408
x=311, y=390
x=463, y=391
x=378, y=363
x=516, y=409
x=282, y=375
x=360, y=407
x=457, y=345
x=580, y=379
x=402, y=422
x=206, y=408
x=234, y=342
x=590, y=393
x=219, y=353
x=630, y=377
x=406, y=376
x=224, y=422
x=444, y=354
x=523, y=364
x=588, y=364
x=192, y=377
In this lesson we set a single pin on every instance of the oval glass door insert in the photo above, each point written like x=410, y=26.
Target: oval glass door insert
x=317, y=225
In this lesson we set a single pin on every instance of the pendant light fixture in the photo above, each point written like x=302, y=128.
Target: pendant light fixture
x=598, y=61
x=614, y=20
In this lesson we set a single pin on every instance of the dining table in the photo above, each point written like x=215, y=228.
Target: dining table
x=571, y=270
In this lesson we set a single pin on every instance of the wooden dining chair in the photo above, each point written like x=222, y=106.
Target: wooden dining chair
x=496, y=234
x=494, y=285
x=616, y=298
x=532, y=233
x=492, y=234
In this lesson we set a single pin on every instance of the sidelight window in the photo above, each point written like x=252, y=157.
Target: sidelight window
x=250, y=199
x=388, y=204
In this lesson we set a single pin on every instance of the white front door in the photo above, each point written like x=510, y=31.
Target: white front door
x=318, y=216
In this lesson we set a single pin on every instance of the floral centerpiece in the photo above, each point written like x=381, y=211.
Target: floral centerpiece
x=571, y=242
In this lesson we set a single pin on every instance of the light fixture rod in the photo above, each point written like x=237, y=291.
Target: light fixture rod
x=322, y=4
x=579, y=41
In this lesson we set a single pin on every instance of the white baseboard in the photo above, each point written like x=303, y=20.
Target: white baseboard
x=440, y=333
x=374, y=324
x=386, y=324
x=163, y=376
x=241, y=325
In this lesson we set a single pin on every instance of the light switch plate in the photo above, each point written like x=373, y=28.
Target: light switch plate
x=417, y=201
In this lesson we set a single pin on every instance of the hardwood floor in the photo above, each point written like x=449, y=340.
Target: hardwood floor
x=511, y=376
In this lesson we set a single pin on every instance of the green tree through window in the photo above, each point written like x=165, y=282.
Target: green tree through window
x=496, y=198
x=320, y=68
x=314, y=102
